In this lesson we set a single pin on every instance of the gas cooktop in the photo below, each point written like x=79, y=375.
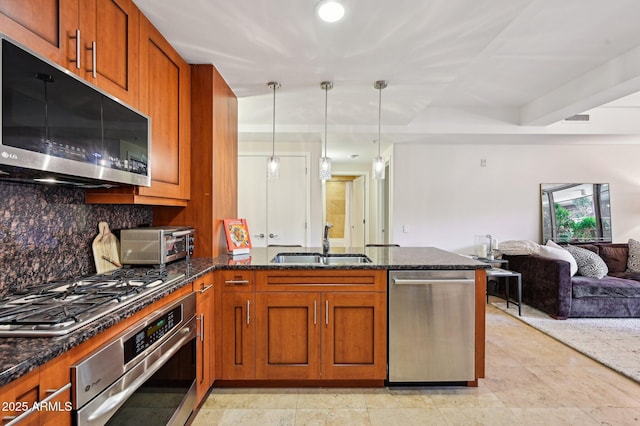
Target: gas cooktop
x=59, y=308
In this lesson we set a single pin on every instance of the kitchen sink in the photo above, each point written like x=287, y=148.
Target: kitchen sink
x=318, y=259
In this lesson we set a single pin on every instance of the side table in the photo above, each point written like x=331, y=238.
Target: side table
x=503, y=273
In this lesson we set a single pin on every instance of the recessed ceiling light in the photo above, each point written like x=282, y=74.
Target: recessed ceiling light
x=330, y=10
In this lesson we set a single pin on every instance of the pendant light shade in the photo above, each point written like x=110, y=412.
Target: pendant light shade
x=273, y=165
x=378, y=164
x=325, y=162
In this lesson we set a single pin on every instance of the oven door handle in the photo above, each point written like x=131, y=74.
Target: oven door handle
x=116, y=400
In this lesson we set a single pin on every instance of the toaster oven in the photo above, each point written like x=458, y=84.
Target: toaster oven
x=156, y=245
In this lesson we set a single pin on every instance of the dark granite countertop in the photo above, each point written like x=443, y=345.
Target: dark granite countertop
x=381, y=258
x=20, y=355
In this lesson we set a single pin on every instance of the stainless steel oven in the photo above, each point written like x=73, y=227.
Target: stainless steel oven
x=147, y=375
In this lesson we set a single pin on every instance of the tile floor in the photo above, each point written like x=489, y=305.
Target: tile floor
x=531, y=379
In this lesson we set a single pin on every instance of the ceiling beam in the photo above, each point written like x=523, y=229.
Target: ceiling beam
x=608, y=82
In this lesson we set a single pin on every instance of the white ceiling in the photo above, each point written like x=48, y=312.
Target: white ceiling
x=459, y=71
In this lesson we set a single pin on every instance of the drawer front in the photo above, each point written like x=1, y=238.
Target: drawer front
x=325, y=280
x=237, y=281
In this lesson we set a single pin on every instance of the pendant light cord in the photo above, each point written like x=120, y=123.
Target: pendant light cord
x=273, y=140
x=326, y=95
x=379, y=116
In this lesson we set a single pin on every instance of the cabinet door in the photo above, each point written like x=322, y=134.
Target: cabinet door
x=288, y=336
x=109, y=46
x=238, y=336
x=165, y=97
x=204, y=344
x=45, y=26
x=55, y=391
x=354, y=342
x=20, y=397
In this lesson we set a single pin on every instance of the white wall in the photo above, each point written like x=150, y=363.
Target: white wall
x=445, y=197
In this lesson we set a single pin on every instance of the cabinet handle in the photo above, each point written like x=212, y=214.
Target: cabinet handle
x=205, y=288
x=200, y=333
x=261, y=235
x=326, y=312
x=237, y=282
x=315, y=315
x=94, y=59
x=248, y=312
x=274, y=236
x=77, y=38
x=14, y=420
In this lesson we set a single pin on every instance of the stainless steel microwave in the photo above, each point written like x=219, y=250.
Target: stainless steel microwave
x=57, y=126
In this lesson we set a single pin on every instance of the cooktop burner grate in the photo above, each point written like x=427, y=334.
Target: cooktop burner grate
x=59, y=308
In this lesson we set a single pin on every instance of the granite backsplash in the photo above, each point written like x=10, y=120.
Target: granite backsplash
x=46, y=232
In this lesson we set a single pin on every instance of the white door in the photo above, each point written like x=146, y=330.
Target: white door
x=252, y=197
x=357, y=212
x=275, y=209
x=286, y=203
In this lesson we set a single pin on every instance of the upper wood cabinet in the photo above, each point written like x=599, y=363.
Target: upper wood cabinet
x=214, y=162
x=42, y=25
x=108, y=47
x=95, y=39
x=165, y=97
x=110, y=44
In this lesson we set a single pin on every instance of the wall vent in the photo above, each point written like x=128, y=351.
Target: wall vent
x=578, y=117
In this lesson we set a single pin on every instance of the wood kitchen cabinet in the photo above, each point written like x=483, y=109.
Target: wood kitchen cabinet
x=205, y=356
x=165, y=98
x=44, y=393
x=41, y=25
x=288, y=336
x=307, y=325
x=108, y=47
x=214, y=162
x=238, y=343
x=330, y=335
x=354, y=340
x=95, y=39
x=110, y=44
x=238, y=336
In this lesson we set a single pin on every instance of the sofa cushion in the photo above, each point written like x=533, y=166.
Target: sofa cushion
x=633, y=262
x=615, y=256
x=554, y=251
x=626, y=275
x=582, y=287
x=589, y=264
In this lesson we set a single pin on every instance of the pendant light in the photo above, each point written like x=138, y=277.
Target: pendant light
x=325, y=162
x=378, y=164
x=273, y=166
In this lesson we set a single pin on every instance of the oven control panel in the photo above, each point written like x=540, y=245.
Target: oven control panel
x=150, y=334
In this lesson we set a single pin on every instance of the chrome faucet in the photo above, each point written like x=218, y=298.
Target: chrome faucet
x=325, y=239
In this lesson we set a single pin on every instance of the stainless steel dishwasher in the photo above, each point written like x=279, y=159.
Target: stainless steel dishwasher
x=431, y=326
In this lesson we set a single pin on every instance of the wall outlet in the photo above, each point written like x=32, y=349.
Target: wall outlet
x=405, y=228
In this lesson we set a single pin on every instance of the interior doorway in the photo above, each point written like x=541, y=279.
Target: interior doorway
x=346, y=209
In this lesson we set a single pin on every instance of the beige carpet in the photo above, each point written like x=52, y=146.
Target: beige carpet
x=613, y=342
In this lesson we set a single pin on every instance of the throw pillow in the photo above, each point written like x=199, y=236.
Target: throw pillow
x=615, y=256
x=519, y=247
x=589, y=264
x=633, y=262
x=554, y=251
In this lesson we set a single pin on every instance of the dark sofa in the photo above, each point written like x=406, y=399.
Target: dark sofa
x=547, y=285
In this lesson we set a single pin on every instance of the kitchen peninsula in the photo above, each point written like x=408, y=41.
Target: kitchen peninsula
x=347, y=299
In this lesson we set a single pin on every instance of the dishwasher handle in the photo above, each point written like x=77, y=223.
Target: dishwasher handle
x=431, y=281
